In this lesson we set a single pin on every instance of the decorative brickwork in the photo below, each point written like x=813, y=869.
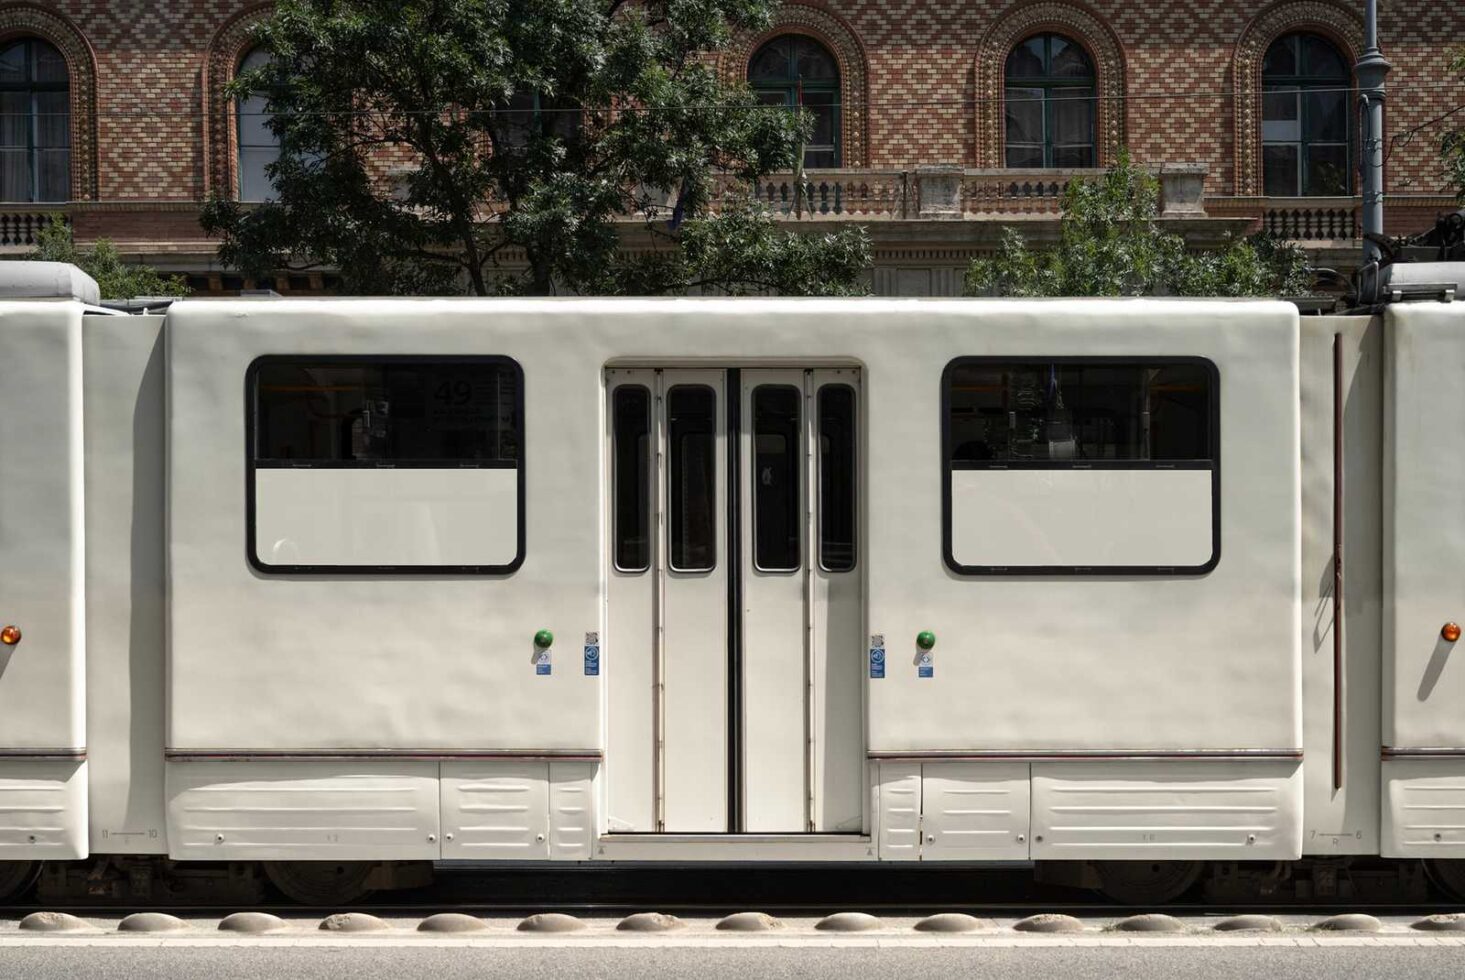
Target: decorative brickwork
x=831, y=31
x=28, y=20
x=226, y=49
x=1334, y=22
x=1017, y=25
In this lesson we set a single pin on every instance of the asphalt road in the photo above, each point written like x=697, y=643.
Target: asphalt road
x=775, y=963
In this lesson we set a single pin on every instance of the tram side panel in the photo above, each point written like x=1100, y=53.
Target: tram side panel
x=1150, y=717
x=43, y=743
x=1341, y=694
x=368, y=683
x=125, y=582
x=1424, y=582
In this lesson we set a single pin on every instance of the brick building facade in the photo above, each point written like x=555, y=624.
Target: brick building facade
x=923, y=119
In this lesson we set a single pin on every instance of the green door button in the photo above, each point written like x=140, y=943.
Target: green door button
x=544, y=639
x=925, y=639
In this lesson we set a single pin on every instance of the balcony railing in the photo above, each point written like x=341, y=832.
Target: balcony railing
x=1312, y=219
x=20, y=224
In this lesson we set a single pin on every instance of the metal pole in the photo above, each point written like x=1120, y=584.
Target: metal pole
x=1371, y=68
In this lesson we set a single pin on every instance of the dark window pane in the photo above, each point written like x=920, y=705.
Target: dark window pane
x=15, y=119
x=1027, y=59
x=1073, y=156
x=1024, y=156
x=1281, y=116
x=1322, y=59
x=1070, y=60
x=1327, y=116
x=1097, y=411
x=15, y=175
x=53, y=120
x=632, y=463
x=837, y=475
x=50, y=66
x=771, y=63
x=692, y=439
x=1279, y=170
x=1281, y=57
x=53, y=175
x=817, y=159
x=1327, y=171
x=822, y=106
x=1072, y=112
x=389, y=411
x=1024, y=111
x=814, y=63
x=777, y=521
x=13, y=68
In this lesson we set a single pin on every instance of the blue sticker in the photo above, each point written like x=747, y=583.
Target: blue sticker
x=923, y=666
x=877, y=662
x=592, y=661
x=541, y=669
x=542, y=663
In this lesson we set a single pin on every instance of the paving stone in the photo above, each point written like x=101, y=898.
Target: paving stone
x=1448, y=922
x=353, y=922
x=151, y=922
x=53, y=922
x=949, y=922
x=451, y=922
x=749, y=922
x=1149, y=922
x=1248, y=923
x=848, y=922
x=649, y=922
x=551, y=922
x=1349, y=922
x=252, y=922
x=1049, y=922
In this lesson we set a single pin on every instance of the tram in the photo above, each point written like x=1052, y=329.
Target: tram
x=1141, y=593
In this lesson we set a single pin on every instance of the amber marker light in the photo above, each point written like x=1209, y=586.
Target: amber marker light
x=10, y=635
x=1451, y=632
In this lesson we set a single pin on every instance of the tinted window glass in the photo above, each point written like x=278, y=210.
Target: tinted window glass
x=692, y=441
x=632, y=463
x=1080, y=412
x=776, y=519
x=459, y=412
x=837, y=478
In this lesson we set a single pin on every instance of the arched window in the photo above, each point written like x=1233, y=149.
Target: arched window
x=796, y=70
x=35, y=123
x=258, y=145
x=1049, y=103
x=1306, y=125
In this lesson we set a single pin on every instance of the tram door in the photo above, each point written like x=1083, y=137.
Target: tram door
x=734, y=647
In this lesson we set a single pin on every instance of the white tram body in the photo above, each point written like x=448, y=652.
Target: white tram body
x=280, y=567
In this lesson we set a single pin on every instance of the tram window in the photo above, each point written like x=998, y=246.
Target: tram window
x=692, y=439
x=350, y=411
x=632, y=478
x=777, y=523
x=1081, y=466
x=1078, y=410
x=837, y=478
x=385, y=464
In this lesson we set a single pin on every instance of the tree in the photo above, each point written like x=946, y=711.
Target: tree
x=532, y=127
x=1452, y=142
x=115, y=278
x=1110, y=244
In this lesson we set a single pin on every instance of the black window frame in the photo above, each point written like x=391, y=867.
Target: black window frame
x=760, y=498
x=1213, y=464
x=854, y=478
x=251, y=464
x=674, y=500
x=647, y=476
x=1299, y=84
x=32, y=88
x=1052, y=87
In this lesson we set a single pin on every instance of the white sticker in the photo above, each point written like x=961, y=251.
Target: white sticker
x=877, y=639
x=592, y=639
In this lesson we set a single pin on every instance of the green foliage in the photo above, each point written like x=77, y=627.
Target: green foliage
x=1452, y=142
x=117, y=279
x=531, y=127
x=1111, y=244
